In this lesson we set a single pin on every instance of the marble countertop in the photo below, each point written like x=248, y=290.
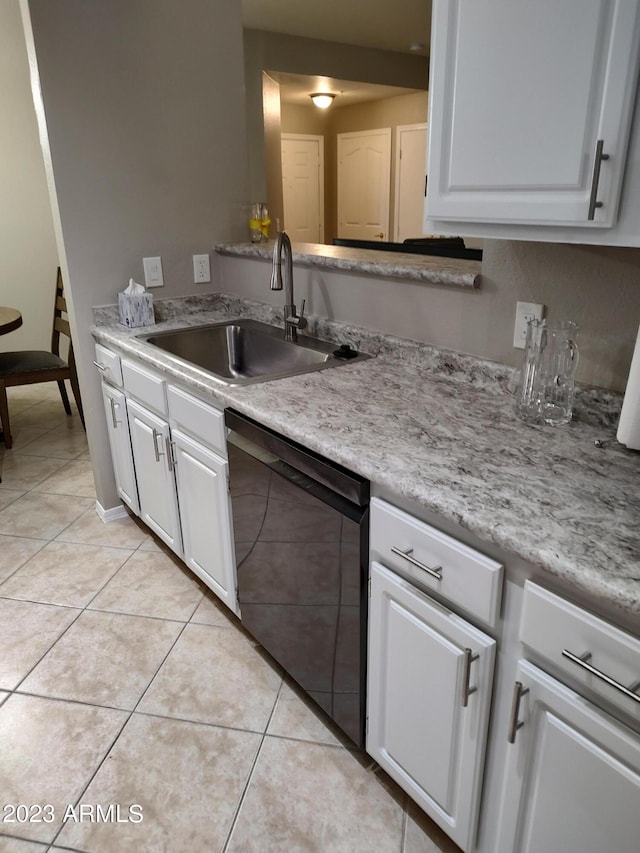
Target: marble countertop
x=439, y=429
x=452, y=272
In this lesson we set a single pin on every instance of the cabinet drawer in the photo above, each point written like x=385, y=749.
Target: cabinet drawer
x=555, y=629
x=108, y=363
x=465, y=577
x=197, y=418
x=144, y=386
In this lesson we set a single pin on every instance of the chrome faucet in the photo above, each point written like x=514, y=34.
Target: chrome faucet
x=292, y=322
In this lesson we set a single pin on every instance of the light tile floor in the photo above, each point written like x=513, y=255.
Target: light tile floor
x=124, y=682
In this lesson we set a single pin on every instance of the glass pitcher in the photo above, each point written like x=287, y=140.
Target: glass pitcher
x=546, y=388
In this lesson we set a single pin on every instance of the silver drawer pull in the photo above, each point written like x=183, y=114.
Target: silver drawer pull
x=519, y=691
x=101, y=367
x=469, y=658
x=435, y=572
x=595, y=179
x=582, y=662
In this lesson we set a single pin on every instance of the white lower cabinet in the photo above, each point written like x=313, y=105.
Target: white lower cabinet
x=572, y=777
x=169, y=456
x=429, y=693
x=115, y=408
x=153, y=458
x=203, y=496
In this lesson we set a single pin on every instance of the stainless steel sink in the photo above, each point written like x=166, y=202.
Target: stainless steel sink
x=239, y=352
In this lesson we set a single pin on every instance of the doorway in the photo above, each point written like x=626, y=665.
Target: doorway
x=303, y=186
x=364, y=182
x=410, y=189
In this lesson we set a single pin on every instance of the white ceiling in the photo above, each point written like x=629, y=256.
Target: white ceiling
x=383, y=24
x=296, y=88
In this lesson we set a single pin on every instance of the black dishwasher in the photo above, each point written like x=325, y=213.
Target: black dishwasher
x=301, y=530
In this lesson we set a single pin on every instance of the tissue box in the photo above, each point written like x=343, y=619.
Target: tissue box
x=136, y=309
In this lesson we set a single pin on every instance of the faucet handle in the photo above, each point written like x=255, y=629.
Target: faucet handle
x=302, y=322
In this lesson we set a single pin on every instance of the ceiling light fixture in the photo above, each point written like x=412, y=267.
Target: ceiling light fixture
x=322, y=100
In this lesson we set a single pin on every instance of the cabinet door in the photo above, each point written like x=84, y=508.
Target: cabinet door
x=428, y=696
x=203, y=496
x=520, y=95
x=115, y=408
x=572, y=779
x=151, y=445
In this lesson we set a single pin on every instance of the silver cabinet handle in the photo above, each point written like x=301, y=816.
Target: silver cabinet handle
x=581, y=661
x=595, y=179
x=435, y=572
x=114, y=419
x=155, y=436
x=518, y=692
x=171, y=454
x=101, y=367
x=469, y=658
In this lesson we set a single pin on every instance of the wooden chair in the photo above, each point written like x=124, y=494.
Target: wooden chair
x=29, y=366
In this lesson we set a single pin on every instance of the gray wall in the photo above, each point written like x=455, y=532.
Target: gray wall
x=28, y=253
x=599, y=288
x=144, y=105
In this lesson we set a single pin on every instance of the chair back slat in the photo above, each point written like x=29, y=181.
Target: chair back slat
x=61, y=325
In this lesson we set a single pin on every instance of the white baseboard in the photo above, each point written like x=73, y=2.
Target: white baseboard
x=112, y=514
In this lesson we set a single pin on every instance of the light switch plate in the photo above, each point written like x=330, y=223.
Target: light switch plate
x=525, y=311
x=153, y=272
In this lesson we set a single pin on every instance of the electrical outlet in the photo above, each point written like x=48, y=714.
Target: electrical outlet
x=201, y=269
x=525, y=311
x=153, y=272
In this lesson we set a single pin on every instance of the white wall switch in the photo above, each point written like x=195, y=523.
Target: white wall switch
x=525, y=311
x=153, y=272
x=201, y=269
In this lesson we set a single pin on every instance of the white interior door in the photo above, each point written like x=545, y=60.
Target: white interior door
x=303, y=187
x=411, y=167
x=364, y=178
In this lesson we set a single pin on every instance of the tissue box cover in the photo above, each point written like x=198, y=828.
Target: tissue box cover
x=136, y=310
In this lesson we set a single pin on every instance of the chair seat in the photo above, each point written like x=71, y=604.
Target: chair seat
x=27, y=361
x=28, y=367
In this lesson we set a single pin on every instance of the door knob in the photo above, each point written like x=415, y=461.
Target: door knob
x=380, y=235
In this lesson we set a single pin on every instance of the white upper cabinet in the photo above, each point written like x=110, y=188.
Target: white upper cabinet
x=530, y=112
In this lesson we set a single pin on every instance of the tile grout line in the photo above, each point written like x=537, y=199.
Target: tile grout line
x=243, y=795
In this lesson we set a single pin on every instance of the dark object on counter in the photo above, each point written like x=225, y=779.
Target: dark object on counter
x=301, y=530
x=345, y=351
x=444, y=247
